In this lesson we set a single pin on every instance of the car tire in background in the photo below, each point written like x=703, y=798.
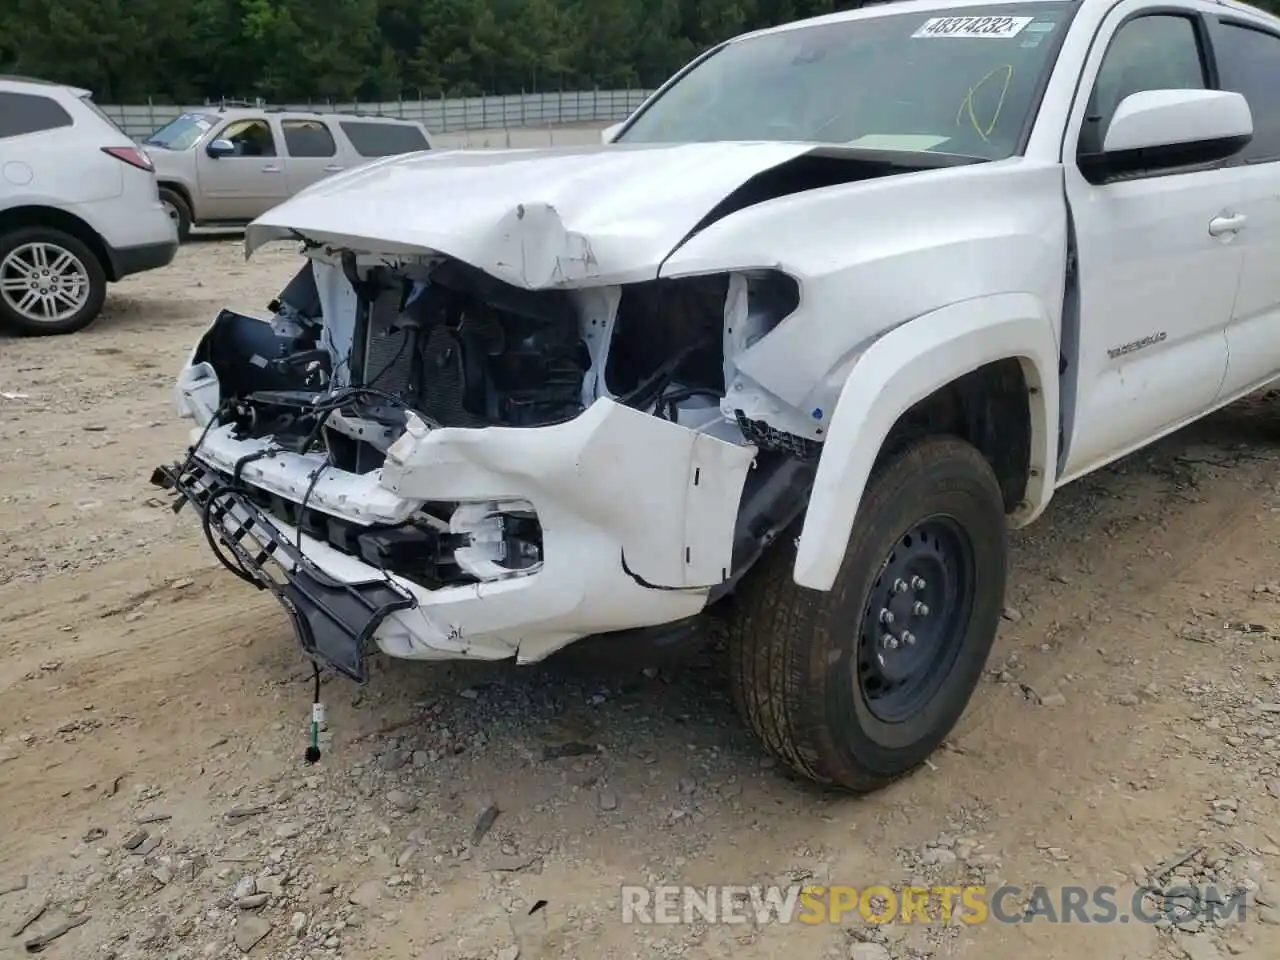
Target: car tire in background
x=855, y=687
x=179, y=212
x=50, y=282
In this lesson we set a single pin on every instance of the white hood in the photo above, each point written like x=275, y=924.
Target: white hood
x=535, y=218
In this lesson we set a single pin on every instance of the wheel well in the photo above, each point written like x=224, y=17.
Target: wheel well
x=991, y=409
x=180, y=190
x=17, y=217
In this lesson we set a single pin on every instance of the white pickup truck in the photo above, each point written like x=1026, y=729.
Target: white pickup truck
x=838, y=305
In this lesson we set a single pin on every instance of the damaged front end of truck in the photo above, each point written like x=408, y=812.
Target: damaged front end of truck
x=487, y=430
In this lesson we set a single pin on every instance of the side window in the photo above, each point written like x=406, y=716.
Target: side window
x=372, y=139
x=1249, y=63
x=29, y=113
x=1156, y=52
x=308, y=138
x=251, y=138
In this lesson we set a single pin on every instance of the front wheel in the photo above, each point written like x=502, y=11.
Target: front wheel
x=855, y=687
x=50, y=282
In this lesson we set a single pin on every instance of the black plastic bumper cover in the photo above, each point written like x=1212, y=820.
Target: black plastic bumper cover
x=334, y=621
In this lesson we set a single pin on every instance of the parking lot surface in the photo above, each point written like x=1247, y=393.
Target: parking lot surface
x=1128, y=730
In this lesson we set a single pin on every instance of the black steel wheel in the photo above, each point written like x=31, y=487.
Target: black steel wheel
x=915, y=617
x=855, y=687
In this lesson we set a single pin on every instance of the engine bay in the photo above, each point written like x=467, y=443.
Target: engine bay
x=355, y=354
x=459, y=348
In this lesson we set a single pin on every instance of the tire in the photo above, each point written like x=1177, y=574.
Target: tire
x=83, y=277
x=179, y=211
x=803, y=676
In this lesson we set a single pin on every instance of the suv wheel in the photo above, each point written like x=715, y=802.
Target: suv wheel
x=179, y=212
x=857, y=686
x=50, y=282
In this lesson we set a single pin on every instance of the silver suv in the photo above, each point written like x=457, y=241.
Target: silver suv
x=78, y=208
x=226, y=166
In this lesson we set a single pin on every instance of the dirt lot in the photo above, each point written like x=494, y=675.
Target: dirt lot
x=154, y=710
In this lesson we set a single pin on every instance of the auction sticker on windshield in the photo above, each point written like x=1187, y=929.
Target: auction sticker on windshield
x=993, y=27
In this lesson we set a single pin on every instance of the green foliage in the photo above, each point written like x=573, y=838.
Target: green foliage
x=298, y=50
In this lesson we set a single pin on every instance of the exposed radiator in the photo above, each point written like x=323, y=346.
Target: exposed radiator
x=386, y=357
x=388, y=366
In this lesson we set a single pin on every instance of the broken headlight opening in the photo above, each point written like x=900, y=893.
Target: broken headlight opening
x=448, y=346
x=443, y=545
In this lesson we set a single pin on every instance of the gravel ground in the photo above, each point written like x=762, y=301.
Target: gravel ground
x=154, y=711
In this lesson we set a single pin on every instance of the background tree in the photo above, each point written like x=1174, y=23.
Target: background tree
x=298, y=50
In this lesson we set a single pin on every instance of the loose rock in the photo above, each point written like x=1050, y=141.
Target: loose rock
x=250, y=931
x=393, y=760
x=367, y=894
x=402, y=801
x=134, y=840
x=484, y=823
x=241, y=813
x=1199, y=948
x=509, y=863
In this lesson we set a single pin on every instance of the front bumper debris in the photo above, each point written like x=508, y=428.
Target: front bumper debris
x=334, y=620
x=637, y=518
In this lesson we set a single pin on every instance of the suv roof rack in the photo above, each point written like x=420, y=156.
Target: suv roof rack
x=223, y=102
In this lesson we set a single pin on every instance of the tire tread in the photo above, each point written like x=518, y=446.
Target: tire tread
x=777, y=682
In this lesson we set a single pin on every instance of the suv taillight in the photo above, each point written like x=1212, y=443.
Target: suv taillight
x=132, y=156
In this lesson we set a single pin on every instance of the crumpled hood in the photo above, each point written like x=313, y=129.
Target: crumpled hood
x=571, y=216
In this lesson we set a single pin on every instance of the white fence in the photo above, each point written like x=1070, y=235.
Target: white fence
x=567, y=108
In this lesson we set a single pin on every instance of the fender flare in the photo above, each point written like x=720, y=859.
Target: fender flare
x=903, y=367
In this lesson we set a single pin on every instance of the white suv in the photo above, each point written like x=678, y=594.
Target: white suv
x=79, y=208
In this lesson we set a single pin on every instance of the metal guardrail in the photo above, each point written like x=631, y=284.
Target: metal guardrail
x=444, y=115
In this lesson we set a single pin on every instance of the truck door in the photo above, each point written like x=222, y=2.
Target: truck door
x=312, y=152
x=1248, y=55
x=1157, y=274
x=249, y=181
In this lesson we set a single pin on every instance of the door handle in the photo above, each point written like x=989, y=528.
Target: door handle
x=1230, y=223
x=333, y=168
x=270, y=168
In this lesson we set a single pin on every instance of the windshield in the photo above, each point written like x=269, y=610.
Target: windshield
x=180, y=134
x=915, y=82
